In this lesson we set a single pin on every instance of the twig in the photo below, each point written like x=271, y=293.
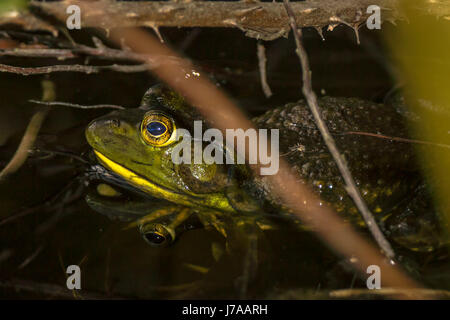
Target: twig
x=72, y=51
x=50, y=289
x=410, y=293
x=22, y=152
x=72, y=68
x=67, y=198
x=48, y=206
x=27, y=142
x=311, y=99
x=262, y=60
x=5, y=255
x=190, y=38
x=59, y=153
x=33, y=256
x=74, y=105
x=156, y=29
x=399, y=139
x=33, y=52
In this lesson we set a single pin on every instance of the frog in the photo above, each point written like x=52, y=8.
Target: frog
x=133, y=151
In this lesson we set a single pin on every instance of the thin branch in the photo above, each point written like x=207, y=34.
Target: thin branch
x=74, y=105
x=33, y=52
x=262, y=61
x=399, y=139
x=67, y=154
x=313, y=105
x=75, y=50
x=33, y=256
x=27, y=142
x=26, y=71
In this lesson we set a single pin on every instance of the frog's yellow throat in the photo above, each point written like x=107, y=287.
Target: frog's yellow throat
x=215, y=200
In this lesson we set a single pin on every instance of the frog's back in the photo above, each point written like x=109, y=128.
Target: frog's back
x=384, y=170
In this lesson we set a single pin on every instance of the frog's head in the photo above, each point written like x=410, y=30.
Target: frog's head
x=137, y=145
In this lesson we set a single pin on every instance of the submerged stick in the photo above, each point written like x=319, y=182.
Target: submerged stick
x=313, y=105
x=31, y=132
x=27, y=142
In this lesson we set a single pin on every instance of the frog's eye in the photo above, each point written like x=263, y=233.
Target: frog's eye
x=157, y=234
x=157, y=129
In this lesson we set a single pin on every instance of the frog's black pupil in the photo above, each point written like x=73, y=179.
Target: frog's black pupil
x=154, y=238
x=156, y=128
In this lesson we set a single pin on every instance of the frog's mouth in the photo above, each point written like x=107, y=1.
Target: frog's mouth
x=159, y=191
x=135, y=179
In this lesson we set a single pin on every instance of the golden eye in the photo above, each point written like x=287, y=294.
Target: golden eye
x=158, y=129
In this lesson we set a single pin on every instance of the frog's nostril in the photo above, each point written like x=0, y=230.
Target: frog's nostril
x=115, y=123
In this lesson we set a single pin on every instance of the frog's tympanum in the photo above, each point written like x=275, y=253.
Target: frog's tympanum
x=134, y=146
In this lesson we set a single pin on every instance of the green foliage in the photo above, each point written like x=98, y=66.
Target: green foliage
x=421, y=49
x=12, y=5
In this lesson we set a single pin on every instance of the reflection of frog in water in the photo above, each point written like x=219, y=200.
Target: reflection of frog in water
x=134, y=148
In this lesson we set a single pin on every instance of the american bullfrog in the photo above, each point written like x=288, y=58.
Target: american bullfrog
x=133, y=148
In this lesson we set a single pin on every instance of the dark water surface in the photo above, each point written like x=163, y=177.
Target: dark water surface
x=115, y=261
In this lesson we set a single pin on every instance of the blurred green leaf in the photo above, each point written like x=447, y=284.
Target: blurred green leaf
x=421, y=49
x=12, y=5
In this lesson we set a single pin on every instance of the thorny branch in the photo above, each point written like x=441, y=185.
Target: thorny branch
x=313, y=105
x=261, y=20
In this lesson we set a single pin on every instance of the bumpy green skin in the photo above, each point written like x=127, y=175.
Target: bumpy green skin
x=384, y=170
